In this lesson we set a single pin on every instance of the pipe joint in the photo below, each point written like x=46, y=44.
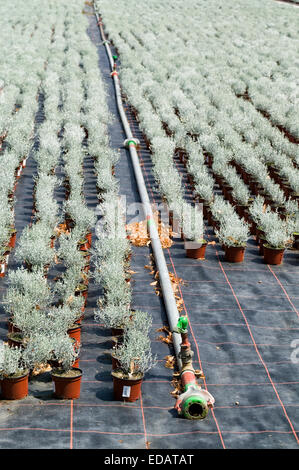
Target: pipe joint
x=186, y=355
x=129, y=142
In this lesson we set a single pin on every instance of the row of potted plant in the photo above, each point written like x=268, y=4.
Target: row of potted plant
x=281, y=235
x=131, y=354
x=20, y=85
x=236, y=192
x=13, y=161
x=29, y=297
x=45, y=324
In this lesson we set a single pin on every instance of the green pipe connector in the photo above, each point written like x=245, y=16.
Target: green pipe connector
x=195, y=407
x=182, y=325
x=134, y=141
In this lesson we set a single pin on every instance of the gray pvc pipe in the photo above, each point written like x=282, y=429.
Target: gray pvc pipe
x=167, y=291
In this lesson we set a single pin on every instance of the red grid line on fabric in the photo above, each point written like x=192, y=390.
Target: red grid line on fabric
x=224, y=431
x=230, y=385
x=224, y=309
x=264, y=283
x=265, y=405
x=245, y=363
x=137, y=407
x=22, y=428
x=233, y=269
x=244, y=344
x=155, y=325
x=143, y=422
x=93, y=431
x=244, y=326
x=221, y=295
x=241, y=296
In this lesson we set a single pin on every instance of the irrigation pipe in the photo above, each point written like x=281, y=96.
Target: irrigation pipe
x=194, y=402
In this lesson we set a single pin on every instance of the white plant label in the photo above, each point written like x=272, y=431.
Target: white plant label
x=126, y=391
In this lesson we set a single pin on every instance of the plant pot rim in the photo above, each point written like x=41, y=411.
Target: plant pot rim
x=243, y=245
x=201, y=241
x=267, y=245
x=22, y=374
x=75, y=326
x=119, y=374
x=58, y=372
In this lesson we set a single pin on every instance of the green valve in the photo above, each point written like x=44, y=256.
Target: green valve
x=115, y=57
x=182, y=324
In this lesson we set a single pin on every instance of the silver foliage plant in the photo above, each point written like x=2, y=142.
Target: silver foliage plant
x=134, y=354
x=11, y=361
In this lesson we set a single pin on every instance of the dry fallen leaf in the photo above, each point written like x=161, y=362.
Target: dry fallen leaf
x=163, y=328
x=139, y=236
x=199, y=373
x=170, y=362
x=40, y=369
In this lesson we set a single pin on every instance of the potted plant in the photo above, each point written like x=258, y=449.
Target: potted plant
x=233, y=234
x=34, y=247
x=62, y=318
x=114, y=316
x=277, y=239
x=38, y=350
x=135, y=358
x=13, y=373
x=66, y=378
x=140, y=321
x=195, y=244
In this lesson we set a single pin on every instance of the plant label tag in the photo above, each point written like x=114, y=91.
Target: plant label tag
x=126, y=391
x=2, y=268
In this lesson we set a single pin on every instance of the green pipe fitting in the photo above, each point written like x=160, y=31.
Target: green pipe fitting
x=134, y=141
x=194, y=407
x=182, y=325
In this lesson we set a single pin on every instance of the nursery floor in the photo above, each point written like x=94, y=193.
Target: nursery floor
x=243, y=319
